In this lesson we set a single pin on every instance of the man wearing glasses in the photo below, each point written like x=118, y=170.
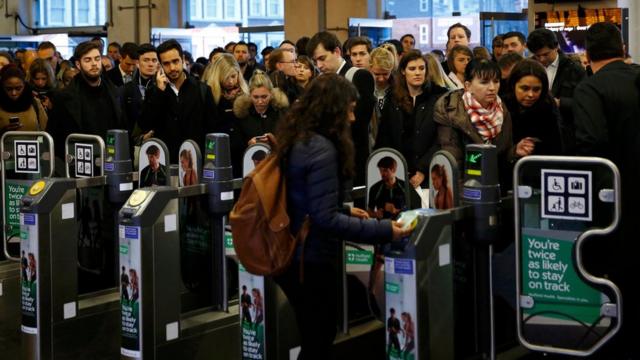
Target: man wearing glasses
x=283, y=68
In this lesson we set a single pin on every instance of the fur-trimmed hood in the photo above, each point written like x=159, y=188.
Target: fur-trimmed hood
x=242, y=105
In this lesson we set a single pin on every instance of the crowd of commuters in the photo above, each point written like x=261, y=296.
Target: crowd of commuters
x=526, y=97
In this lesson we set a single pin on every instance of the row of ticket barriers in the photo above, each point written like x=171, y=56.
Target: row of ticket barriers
x=106, y=262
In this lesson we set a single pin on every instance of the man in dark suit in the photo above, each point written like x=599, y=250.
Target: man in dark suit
x=607, y=116
x=326, y=51
x=135, y=91
x=564, y=75
x=123, y=72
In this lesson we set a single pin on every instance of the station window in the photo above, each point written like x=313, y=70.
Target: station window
x=200, y=10
x=66, y=13
x=256, y=8
x=424, y=5
x=424, y=34
x=437, y=8
x=232, y=9
x=275, y=8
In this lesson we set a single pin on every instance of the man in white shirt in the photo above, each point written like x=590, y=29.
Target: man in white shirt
x=123, y=73
x=564, y=76
x=326, y=50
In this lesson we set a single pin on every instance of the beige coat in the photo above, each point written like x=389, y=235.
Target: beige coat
x=455, y=129
x=28, y=118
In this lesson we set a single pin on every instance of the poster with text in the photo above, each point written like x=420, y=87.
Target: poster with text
x=552, y=290
x=29, y=272
x=130, y=291
x=252, y=316
x=401, y=309
x=13, y=192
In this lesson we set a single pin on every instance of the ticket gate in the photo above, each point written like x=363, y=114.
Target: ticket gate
x=62, y=317
x=155, y=323
x=26, y=157
x=439, y=302
x=565, y=210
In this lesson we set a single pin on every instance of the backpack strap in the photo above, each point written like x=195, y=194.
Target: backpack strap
x=351, y=73
x=34, y=103
x=300, y=238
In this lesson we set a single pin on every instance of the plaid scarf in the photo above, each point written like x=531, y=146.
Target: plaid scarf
x=488, y=122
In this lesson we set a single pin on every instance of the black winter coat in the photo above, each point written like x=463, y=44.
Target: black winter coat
x=133, y=101
x=313, y=188
x=365, y=106
x=414, y=135
x=567, y=78
x=607, y=113
x=174, y=119
x=541, y=121
x=71, y=113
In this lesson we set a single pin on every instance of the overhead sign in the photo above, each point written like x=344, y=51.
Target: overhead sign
x=566, y=194
x=27, y=153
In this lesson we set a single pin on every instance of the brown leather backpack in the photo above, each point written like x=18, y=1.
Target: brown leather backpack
x=260, y=223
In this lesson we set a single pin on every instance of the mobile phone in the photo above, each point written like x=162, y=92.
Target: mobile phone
x=14, y=120
x=535, y=139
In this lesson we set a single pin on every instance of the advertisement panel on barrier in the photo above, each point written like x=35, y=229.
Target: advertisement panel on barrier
x=252, y=316
x=130, y=291
x=401, y=313
x=29, y=272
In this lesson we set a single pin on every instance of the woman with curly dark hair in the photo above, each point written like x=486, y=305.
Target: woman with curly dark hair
x=316, y=150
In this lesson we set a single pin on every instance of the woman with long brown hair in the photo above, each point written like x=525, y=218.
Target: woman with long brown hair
x=407, y=120
x=315, y=147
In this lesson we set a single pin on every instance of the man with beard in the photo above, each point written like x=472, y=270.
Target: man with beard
x=178, y=107
x=241, y=53
x=135, y=91
x=89, y=105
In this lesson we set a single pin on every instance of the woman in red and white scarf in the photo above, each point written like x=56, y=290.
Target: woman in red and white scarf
x=476, y=115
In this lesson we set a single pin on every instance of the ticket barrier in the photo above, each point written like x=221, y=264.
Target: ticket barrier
x=154, y=323
x=566, y=208
x=439, y=302
x=59, y=321
x=267, y=322
x=25, y=158
x=273, y=336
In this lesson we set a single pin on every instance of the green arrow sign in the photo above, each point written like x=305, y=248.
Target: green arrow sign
x=473, y=158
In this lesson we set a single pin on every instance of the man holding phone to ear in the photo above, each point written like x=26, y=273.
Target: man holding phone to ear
x=178, y=107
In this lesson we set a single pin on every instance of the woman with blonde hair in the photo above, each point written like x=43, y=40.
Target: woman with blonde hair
x=436, y=73
x=259, y=112
x=394, y=51
x=383, y=63
x=225, y=79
